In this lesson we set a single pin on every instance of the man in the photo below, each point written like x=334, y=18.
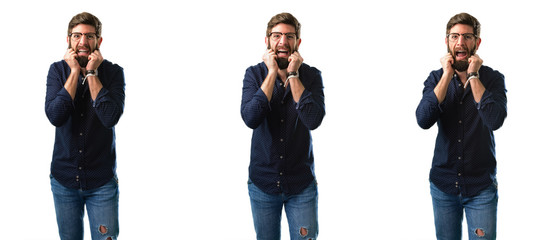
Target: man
x=84, y=100
x=282, y=101
x=468, y=102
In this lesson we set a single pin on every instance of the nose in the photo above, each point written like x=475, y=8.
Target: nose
x=282, y=40
x=83, y=39
x=460, y=40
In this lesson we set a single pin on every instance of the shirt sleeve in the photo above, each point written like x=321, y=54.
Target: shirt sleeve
x=109, y=104
x=311, y=107
x=493, y=105
x=254, y=103
x=58, y=103
x=429, y=109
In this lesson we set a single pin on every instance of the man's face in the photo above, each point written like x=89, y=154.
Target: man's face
x=283, y=44
x=461, y=47
x=83, y=41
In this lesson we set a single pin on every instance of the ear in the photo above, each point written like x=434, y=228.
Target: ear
x=478, y=42
x=266, y=41
x=100, y=42
x=299, y=41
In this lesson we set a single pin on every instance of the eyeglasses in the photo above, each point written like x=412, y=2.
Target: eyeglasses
x=76, y=36
x=454, y=37
x=276, y=36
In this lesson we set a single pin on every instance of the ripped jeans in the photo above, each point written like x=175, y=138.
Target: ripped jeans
x=102, y=209
x=301, y=211
x=480, y=214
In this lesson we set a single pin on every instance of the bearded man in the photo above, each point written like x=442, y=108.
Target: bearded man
x=468, y=102
x=84, y=101
x=282, y=101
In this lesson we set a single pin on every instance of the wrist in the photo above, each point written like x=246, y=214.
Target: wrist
x=472, y=75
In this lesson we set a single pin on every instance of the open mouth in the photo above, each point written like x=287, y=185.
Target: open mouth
x=460, y=54
x=283, y=53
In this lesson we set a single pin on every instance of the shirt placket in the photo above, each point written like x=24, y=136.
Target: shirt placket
x=82, y=134
x=282, y=134
x=460, y=135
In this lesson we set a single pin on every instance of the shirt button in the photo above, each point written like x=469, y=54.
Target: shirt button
x=459, y=174
x=281, y=140
x=80, y=151
x=281, y=157
x=459, y=140
x=81, y=115
x=460, y=121
x=282, y=102
x=81, y=134
x=79, y=168
x=459, y=158
x=281, y=174
x=461, y=102
x=282, y=120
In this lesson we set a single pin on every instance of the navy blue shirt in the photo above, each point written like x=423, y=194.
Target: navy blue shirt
x=84, y=151
x=282, y=152
x=464, y=160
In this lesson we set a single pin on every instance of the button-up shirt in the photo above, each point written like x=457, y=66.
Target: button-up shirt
x=464, y=160
x=282, y=152
x=84, y=154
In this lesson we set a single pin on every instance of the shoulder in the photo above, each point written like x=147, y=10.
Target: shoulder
x=107, y=65
x=309, y=69
x=488, y=71
x=258, y=71
x=260, y=67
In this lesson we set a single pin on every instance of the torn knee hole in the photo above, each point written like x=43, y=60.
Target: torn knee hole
x=480, y=232
x=102, y=229
x=303, y=232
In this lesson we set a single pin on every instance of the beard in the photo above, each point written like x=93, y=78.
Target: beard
x=283, y=63
x=82, y=60
x=461, y=66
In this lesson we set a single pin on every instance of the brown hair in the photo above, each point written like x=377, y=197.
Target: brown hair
x=285, y=18
x=85, y=18
x=464, y=18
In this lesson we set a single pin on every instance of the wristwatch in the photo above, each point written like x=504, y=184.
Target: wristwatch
x=92, y=72
x=292, y=74
x=472, y=75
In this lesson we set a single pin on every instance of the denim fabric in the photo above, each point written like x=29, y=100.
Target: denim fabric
x=301, y=210
x=481, y=211
x=102, y=209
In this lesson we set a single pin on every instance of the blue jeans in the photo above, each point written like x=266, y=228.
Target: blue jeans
x=102, y=209
x=301, y=211
x=480, y=214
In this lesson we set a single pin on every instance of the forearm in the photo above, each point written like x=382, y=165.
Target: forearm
x=268, y=84
x=297, y=88
x=477, y=89
x=94, y=86
x=441, y=88
x=71, y=85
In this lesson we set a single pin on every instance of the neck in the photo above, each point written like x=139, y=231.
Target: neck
x=462, y=76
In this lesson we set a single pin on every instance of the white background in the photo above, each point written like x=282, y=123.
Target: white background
x=183, y=149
